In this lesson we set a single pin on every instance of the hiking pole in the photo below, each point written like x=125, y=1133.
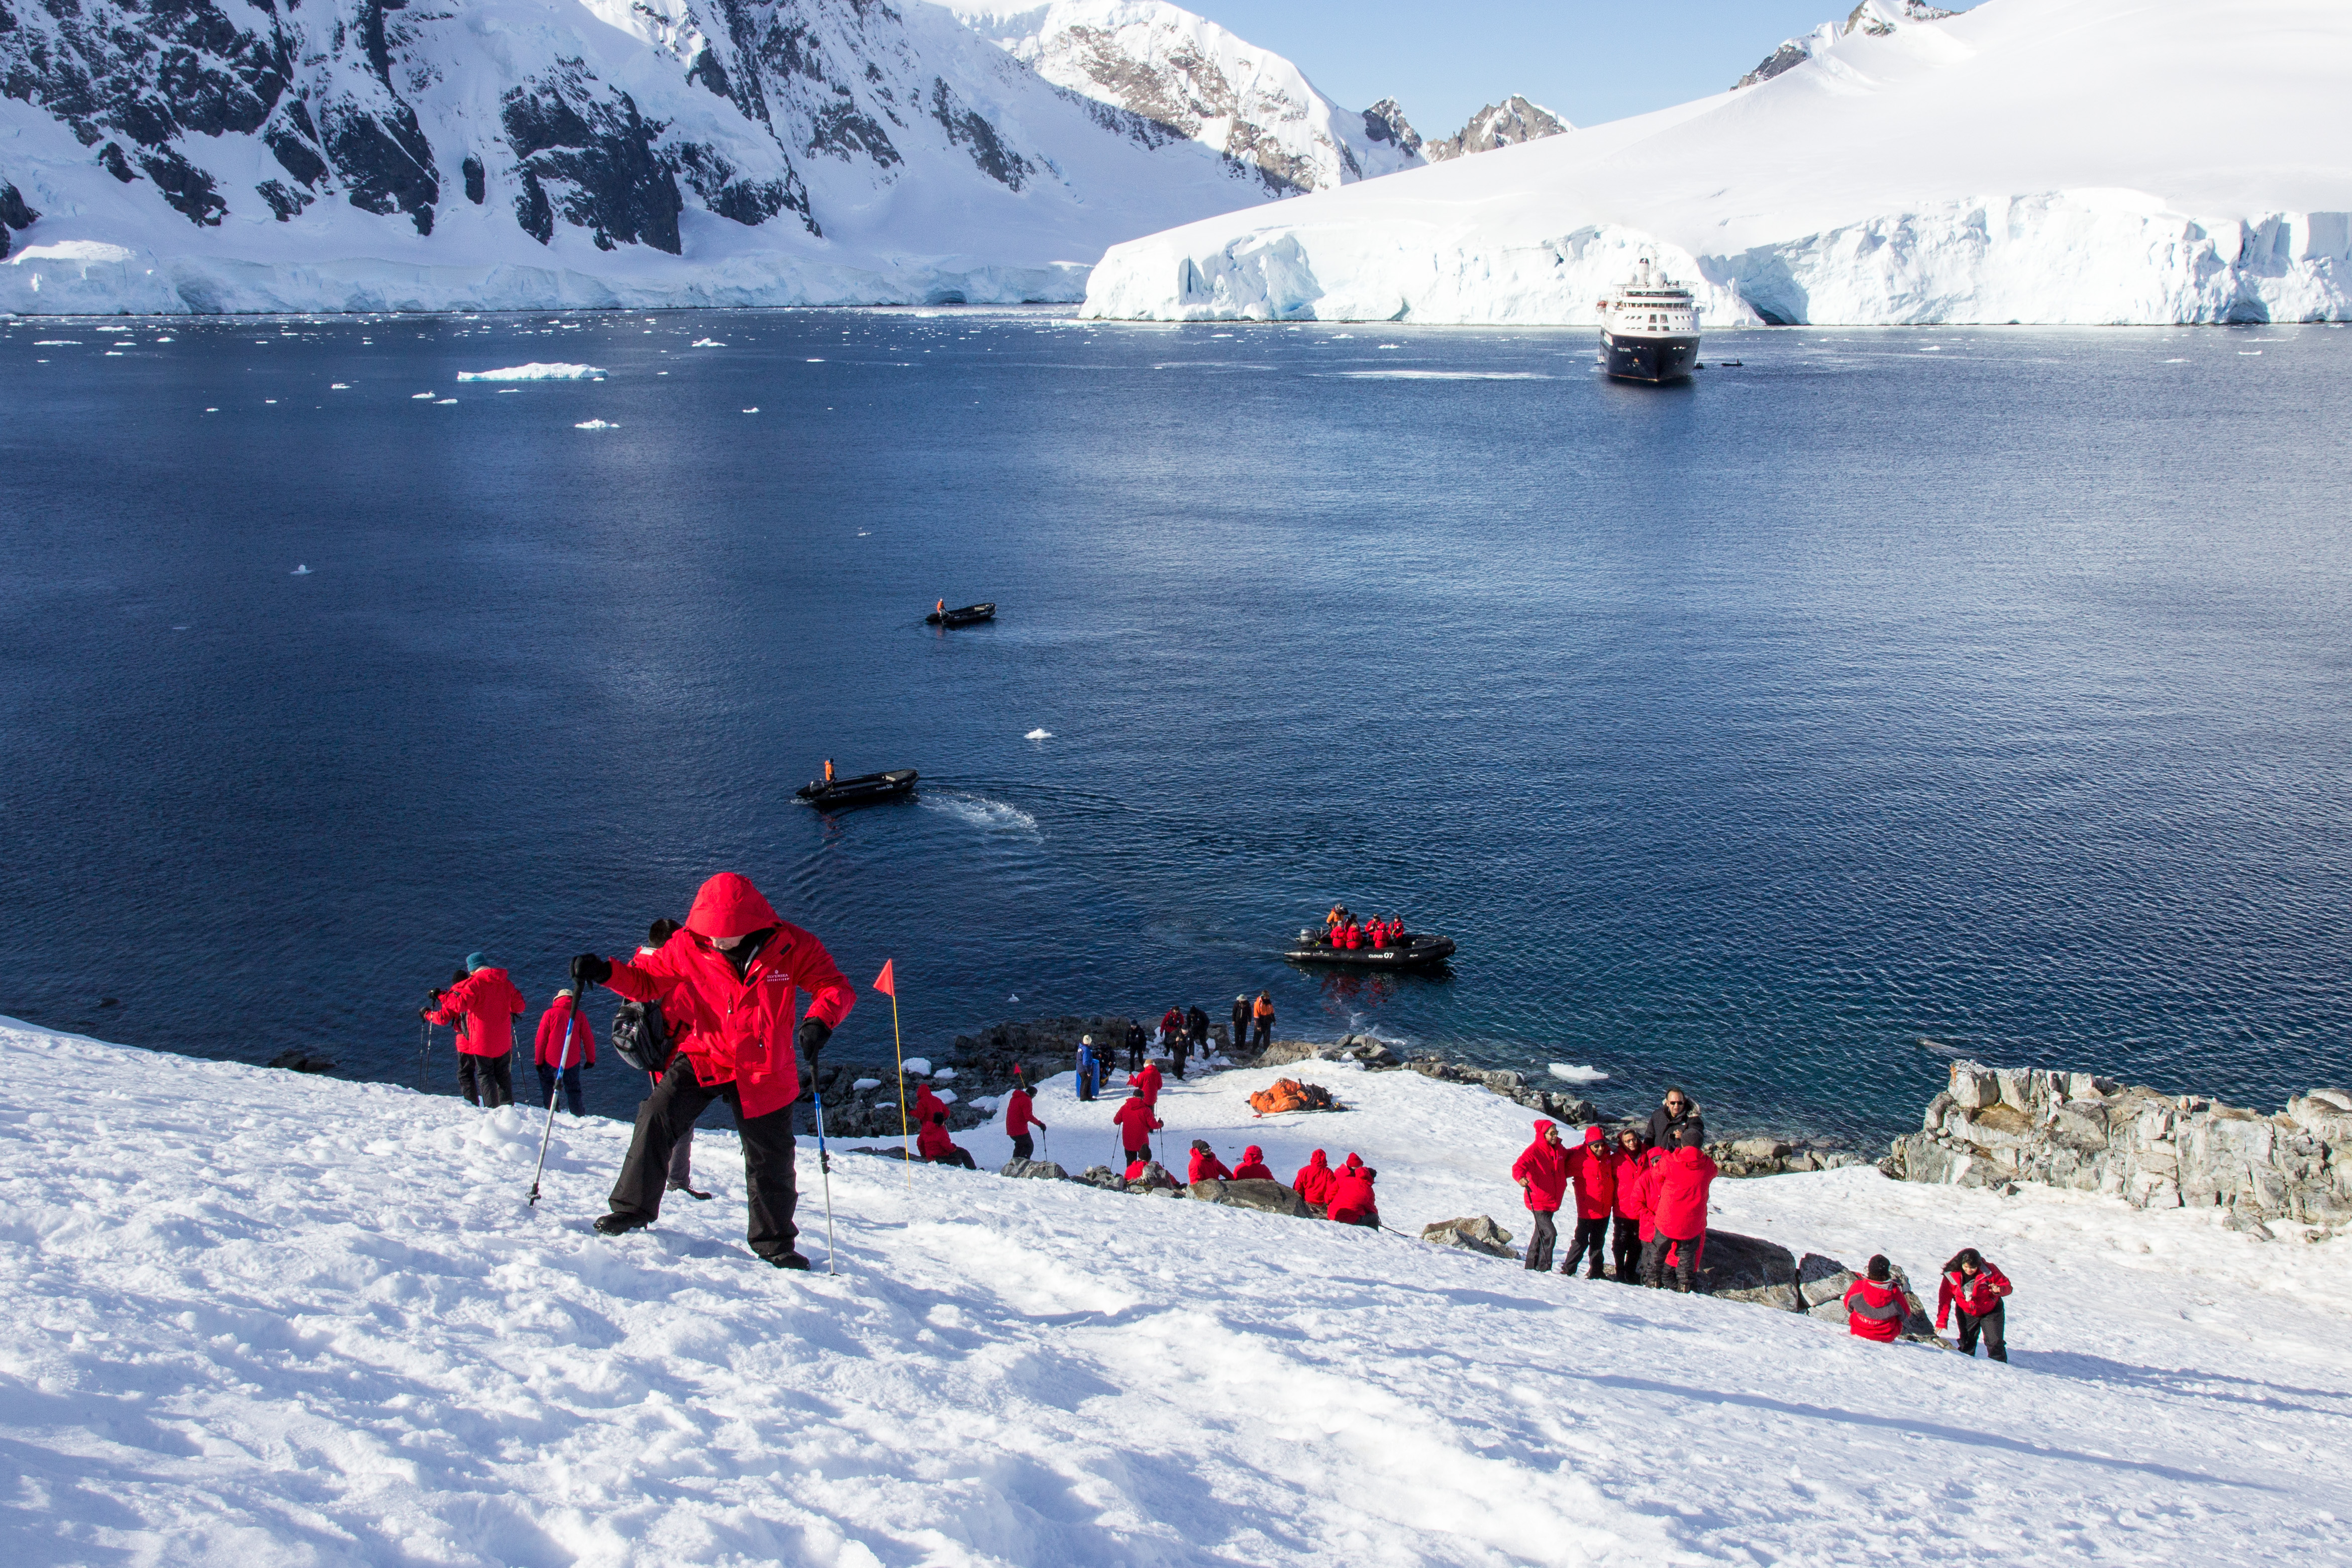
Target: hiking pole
x=824, y=1168
x=563, y=1061
x=423, y=1044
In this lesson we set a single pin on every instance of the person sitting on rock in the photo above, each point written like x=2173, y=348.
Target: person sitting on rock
x=1313, y=1181
x=1352, y=1201
x=1874, y=1304
x=934, y=1145
x=1976, y=1287
x=1542, y=1171
x=1253, y=1167
x=1205, y=1166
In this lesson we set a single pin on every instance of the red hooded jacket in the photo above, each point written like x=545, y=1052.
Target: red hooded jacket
x=1135, y=1122
x=1643, y=1175
x=1543, y=1165
x=1018, y=1118
x=739, y=1029
x=1976, y=1298
x=1313, y=1181
x=933, y=1143
x=1253, y=1167
x=1149, y=1080
x=928, y=1104
x=1594, y=1168
x=484, y=1006
x=1206, y=1166
x=1627, y=1171
x=1681, y=1181
x=1351, y=1198
x=549, y=1046
x=1874, y=1309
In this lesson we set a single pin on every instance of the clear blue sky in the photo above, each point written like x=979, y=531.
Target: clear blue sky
x=1588, y=60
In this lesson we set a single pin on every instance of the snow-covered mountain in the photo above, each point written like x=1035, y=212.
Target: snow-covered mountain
x=1505, y=124
x=242, y=154
x=1877, y=17
x=2038, y=160
x=1168, y=73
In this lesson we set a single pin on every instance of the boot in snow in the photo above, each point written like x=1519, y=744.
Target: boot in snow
x=619, y=1224
x=790, y=1261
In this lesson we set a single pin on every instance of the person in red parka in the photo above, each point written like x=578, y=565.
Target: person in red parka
x=1147, y=1079
x=1136, y=1126
x=1679, y=1184
x=483, y=1006
x=934, y=1145
x=729, y=982
x=1313, y=1181
x=1253, y=1167
x=1019, y=1117
x=1542, y=1171
x=1593, y=1170
x=928, y=1104
x=1874, y=1306
x=1205, y=1166
x=1625, y=1241
x=562, y=1050
x=1976, y=1287
x=1352, y=1201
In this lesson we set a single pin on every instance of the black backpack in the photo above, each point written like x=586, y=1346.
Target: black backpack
x=641, y=1036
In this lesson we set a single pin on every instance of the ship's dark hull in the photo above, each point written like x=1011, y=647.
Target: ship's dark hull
x=1649, y=359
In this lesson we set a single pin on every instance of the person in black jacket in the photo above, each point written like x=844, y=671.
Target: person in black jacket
x=1135, y=1044
x=1196, y=1024
x=1677, y=1122
x=1241, y=1025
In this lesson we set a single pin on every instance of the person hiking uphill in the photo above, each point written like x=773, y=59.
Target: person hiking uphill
x=557, y=1043
x=642, y=1025
x=1149, y=1080
x=1679, y=1187
x=483, y=1006
x=1019, y=1117
x=1592, y=1171
x=1542, y=1171
x=1873, y=1305
x=731, y=979
x=1136, y=1125
x=1976, y=1287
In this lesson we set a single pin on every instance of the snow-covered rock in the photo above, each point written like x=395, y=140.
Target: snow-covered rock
x=1877, y=17
x=261, y=1318
x=1167, y=73
x=2035, y=161
x=1505, y=124
x=357, y=154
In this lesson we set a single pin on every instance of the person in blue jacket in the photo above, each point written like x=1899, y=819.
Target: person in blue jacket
x=1089, y=1070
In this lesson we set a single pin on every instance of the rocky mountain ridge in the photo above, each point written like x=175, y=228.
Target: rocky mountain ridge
x=1505, y=124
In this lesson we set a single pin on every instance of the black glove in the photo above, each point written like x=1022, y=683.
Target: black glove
x=424, y=1013
x=810, y=1038
x=589, y=971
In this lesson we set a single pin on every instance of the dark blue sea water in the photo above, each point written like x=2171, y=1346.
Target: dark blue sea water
x=1890, y=696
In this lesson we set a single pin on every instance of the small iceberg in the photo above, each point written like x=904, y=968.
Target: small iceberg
x=919, y=1065
x=422, y=397
x=707, y=343
x=1039, y=734
x=1569, y=1073
x=751, y=410
x=443, y=402
x=341, y=386
x=301, y=570
x=596, y=424
x=534, y=371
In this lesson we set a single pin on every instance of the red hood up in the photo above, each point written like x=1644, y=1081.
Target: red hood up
x=729, y=906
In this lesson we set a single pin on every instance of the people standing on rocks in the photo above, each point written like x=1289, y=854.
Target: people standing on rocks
x=1019, y=1117
x=1204, y=1165
x=1668, y=1122
x=1136, y=1125
x=1240, y=1024
x=483, y=1007
x=1592, y=1169
x=1262, y=1014
x=1135, y=1043
x=1089, y=1067
x=1352, y=1201
x=731, y=978
x=561, y=1050
x=1874, y=1304
x=1682, y=1180
x=1313, y=1181
x=1625, y=1242
x=1177, y=1037
x=1196, y=1027
x=1253, y=1167
x=1976, y=1287
x=1542, y=1171
x=934, y=1145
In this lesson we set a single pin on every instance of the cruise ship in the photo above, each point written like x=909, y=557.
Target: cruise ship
x=1649, y=328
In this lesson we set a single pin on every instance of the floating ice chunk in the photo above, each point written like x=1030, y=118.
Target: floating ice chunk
x=816, y=361
x=919, y=1065
x=300, y=569
x=269, y=400
x=1569, y=1073
x=534, y=371
x=420, y=397
x=707, y=343
x=1039, y=734
x=596, y=424
x=341, y=386
x=57, y=342
x=863, y=1085
x=751, y=410
x=443, y=402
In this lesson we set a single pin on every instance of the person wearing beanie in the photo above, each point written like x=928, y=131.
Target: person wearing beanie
x=1205, y=1166
x=1241, y=1025
x=561, y=1050
x=1874, y=1304
x=483, y=1007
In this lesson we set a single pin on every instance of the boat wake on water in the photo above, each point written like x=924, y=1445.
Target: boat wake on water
x=980, y=811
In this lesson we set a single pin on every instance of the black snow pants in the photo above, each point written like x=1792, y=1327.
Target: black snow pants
x=1654, y=1263
x=547, y=1079
x=1024, y=1147
x=1990, y=1325
x=958, y=1156
x=1541, y=1240
x=1591, y=1238
x=1625, y=1245
x=487, y=1080
x=1177, y=1053
x=768, y=1177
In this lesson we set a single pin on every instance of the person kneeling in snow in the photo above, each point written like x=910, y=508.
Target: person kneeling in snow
x=1253, y=1167
x=728, y=982
x=1976, y=1287
x=1205, y=1166
x=1873, y=1306
x=1352, y=1202
x=934, y=1145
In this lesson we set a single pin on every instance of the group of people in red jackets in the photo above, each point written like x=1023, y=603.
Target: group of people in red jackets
x=1343, y=929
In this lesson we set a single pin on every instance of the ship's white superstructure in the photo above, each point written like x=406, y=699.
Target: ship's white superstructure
x=1649, y=328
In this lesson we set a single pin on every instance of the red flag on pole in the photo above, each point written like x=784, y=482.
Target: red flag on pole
x=884, y=982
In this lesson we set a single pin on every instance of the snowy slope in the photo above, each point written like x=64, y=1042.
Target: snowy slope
x=1169, y=73
x=354, y=154
x=261, y=1319
x=2041, y=161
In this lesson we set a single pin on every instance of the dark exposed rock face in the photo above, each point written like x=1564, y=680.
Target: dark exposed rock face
x=1266, y=1196
x=973, y=130
x=1504, y=124
x=16, y=216
x=1475, y=1233
x=599, y=153
x=1385, y=122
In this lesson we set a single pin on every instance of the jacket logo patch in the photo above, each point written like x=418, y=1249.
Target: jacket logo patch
x=779, y=980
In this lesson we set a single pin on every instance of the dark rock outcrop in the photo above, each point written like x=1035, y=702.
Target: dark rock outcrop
x=1266, y=1196
x=1474, y=1233
x=1504, y=124
x=1039, y=1170
x=15, y=216
x=299, y=1060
